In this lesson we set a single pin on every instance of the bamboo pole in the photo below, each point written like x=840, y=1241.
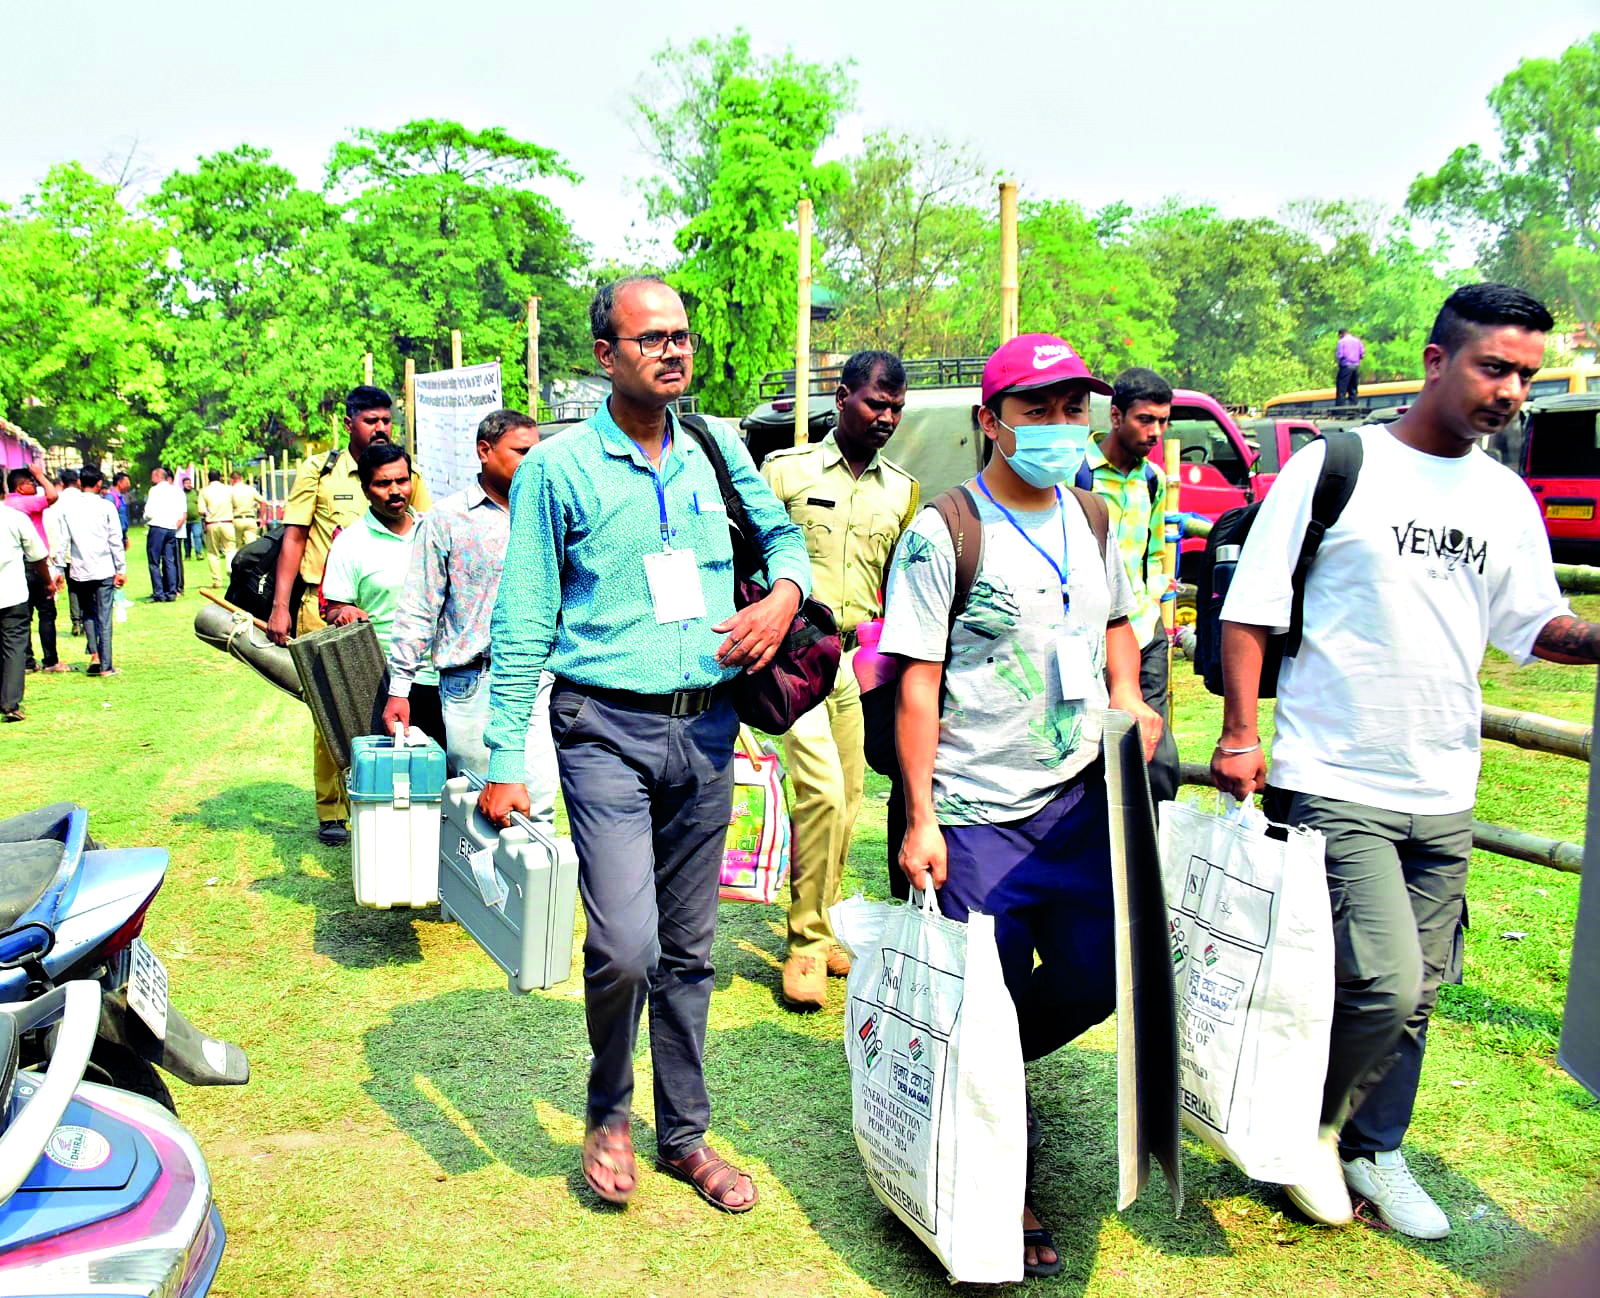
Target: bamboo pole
x=1513, y=843
x=1008, y=260
x=1542, y=734
x=455, y=349
x=366, y=369
x=802, y=332
x=411, y=405
x=533, y=357
x=1577, y=579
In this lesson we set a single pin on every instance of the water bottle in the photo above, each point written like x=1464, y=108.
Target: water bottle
x=120, y=607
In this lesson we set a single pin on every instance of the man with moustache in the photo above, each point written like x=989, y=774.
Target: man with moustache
x=852, y=503
x=367, y=567
x=30, y=494
x=327, y=495
x=619, y=580
x=999, y=723
x=1438, y=550
x=444, y=614
x=1120, y=471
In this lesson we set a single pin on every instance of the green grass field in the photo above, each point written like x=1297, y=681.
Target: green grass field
x=410, y=1128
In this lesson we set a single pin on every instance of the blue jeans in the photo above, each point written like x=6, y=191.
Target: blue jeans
x=161, y=551
x=1047, y=882
x=464, y=700
x=96, y=598
x=649, y=798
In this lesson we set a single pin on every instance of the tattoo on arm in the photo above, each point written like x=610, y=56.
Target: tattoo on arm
x=1567, y=639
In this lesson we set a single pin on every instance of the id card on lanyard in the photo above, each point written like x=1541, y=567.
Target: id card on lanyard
x=672, y=575
x=1074, y=661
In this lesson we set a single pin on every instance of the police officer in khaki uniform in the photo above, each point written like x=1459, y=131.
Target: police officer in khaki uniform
x=852, y=504
x=247, y=502
x=326, y=496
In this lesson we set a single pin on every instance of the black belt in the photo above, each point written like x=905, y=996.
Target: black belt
x=683, y=703
x=847, y=641
x=478, y=664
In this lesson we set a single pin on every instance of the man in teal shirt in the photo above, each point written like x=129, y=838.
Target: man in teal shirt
x=619, y=580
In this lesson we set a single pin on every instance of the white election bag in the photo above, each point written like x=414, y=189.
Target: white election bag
x=936, y=1080
x=1252, y=953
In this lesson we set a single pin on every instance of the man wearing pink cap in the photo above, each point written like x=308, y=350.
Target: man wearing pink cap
x=998, y=724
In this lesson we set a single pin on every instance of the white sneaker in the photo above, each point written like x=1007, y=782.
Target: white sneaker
x=1324, y=1197
x=1385, y=1182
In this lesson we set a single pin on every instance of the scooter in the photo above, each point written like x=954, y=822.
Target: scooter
x=101, y=1191
x=70, y=909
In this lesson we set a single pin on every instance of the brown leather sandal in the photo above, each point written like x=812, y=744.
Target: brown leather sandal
x=712, y=1178
x=611, y=1147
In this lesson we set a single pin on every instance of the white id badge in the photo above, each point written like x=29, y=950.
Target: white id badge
x=1076, y=665
x=675, y=591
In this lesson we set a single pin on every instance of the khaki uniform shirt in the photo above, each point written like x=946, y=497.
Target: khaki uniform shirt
x=851, y=524
x=246, y=500
x=324, y=503
x=216, y=503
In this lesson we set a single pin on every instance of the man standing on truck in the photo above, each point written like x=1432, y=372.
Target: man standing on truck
x=1000, y=703
x=327, y=495
x=852, y=503
x=1347, y=354
x=1437, y=550
x=1120, y=470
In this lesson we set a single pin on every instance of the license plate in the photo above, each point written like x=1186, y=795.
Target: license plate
x=1569, y=511
x=147, y=988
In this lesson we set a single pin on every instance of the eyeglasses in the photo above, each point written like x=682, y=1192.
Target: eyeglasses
x=655, y=343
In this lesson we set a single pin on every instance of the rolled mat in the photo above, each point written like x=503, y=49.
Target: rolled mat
x=345, y=683
x=238, y=637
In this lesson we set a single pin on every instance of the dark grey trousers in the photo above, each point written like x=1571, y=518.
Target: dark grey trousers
x=1153, y=685
x=648, y=798
x=44, y=604
x=13, y=655
x=1397, y=883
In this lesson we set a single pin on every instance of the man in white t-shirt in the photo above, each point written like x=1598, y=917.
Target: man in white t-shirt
x=1438, y=549
x=999, y=711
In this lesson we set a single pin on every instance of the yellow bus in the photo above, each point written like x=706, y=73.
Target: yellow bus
x=1319, y=402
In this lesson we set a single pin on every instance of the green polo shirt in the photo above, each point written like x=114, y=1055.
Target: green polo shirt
x=367, y=566
x=1138, y=526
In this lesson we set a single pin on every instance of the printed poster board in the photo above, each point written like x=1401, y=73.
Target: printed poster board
x=1579, y=1052
x=1147, y=1018
x=450, y=405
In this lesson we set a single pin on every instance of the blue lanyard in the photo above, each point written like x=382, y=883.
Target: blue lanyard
x=1066, y=597
x=661, y=494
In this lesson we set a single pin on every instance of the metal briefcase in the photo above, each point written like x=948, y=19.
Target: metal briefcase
x=515, y=890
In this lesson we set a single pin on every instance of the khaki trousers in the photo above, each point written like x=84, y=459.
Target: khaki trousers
x=827, y=767
x=244, y=532
x=331, y=804
x=220, y=550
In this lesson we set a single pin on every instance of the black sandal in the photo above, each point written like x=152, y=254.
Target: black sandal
x=1039, y=1238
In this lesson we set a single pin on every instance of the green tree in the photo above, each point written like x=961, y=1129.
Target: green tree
x=261, y=290
x=81, y=313
x=680, y=106
x=741, y=259
x=1078, y=277
x=905, y=226
x=1241, y=290
x=446, y=233
x=1534, y=213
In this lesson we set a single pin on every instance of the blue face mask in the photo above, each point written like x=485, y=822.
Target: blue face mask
x=1047, y=454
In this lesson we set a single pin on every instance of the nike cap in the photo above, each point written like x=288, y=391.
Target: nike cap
x=1036, y=361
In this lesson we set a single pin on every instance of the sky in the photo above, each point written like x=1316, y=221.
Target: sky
x=1246, y=104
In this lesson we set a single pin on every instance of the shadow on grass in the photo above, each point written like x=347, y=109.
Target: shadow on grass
x=348, y=934
x=467, y=1074
x=1470, y=1005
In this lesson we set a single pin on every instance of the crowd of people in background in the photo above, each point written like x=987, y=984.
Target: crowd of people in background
x=80, y=520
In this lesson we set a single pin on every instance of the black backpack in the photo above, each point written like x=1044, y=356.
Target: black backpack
x=1214, y=573
x=253, y=578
